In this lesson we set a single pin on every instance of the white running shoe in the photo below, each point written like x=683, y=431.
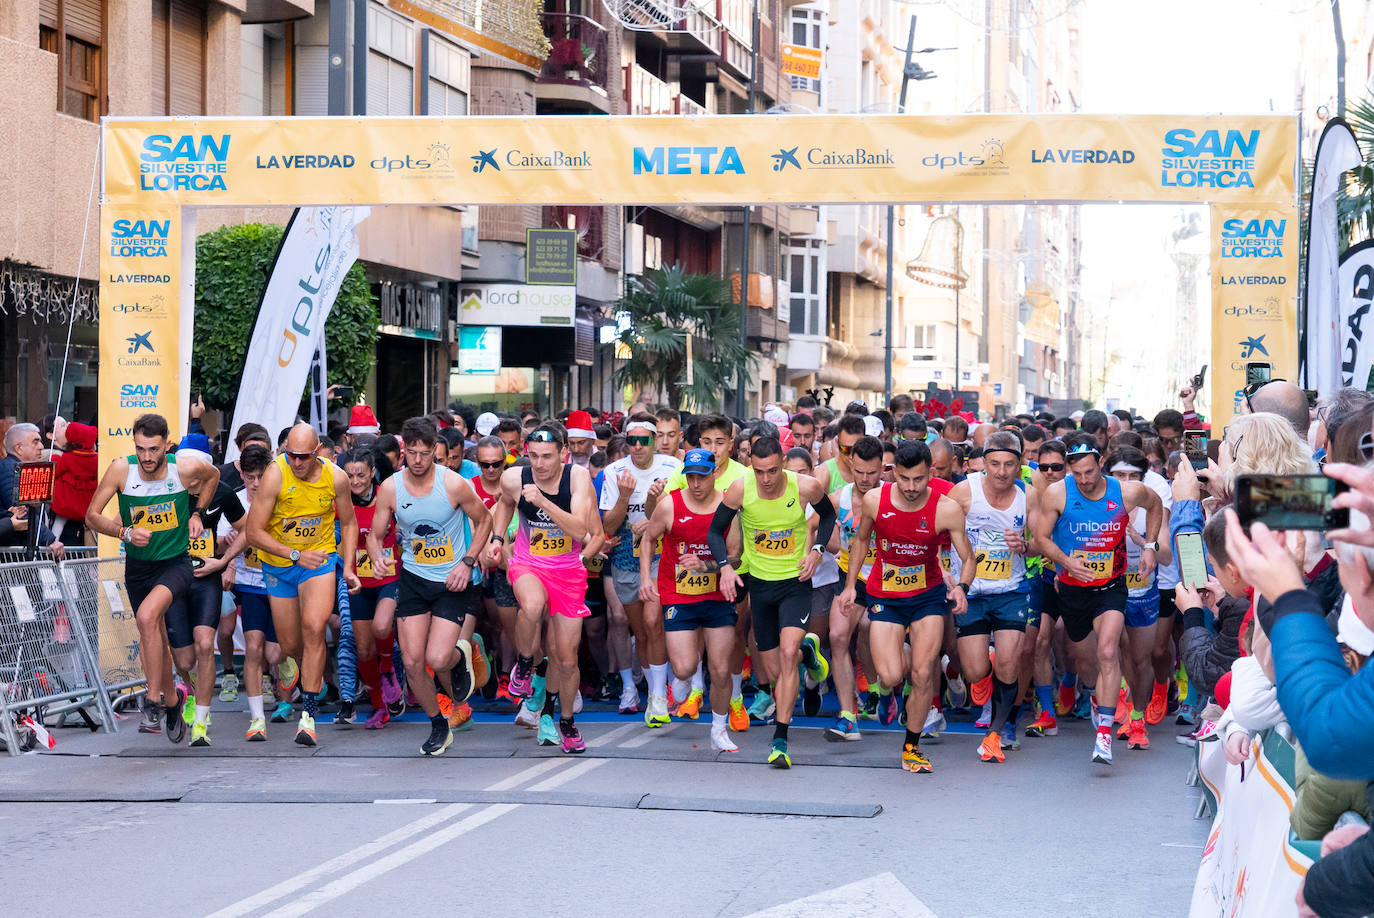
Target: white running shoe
x=527, y=717
x=577, y=703
x=720, y=740
x=985, y=718
x=656, y=712
x=935, y=724
x=629, y=699
x=1102, y=748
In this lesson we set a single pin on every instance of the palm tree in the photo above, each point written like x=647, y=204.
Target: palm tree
x=665, y=306
x=1355, y=203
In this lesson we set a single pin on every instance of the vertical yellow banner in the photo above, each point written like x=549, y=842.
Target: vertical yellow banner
x=1254, y=300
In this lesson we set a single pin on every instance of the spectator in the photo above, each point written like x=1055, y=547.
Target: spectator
x=1343, y=407
x=1259, y=444
x=1095, y=423
x=1287, y=401
x=23, y=443
x=77, y=474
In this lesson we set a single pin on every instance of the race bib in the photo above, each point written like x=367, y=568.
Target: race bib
x=301, y=531
x=432, y=550
x=658, y=547
x=363, y=566
x=871, y=556
x=1135, y=580
x=1099, y=562
x=994, y=564
x=546, y=545
x=595, y=564
x=695, y=583
x=156, y=517
x=203, y=547
x=251, y=559
x=905, y=578
x=776, y=543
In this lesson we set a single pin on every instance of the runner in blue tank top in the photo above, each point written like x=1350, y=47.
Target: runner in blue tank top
x=1081, y=527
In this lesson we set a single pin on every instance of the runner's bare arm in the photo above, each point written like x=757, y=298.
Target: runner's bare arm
x=109, y=486
x=348, y=525
x=381, y=522
x=867, y=515
x=951, y=519
x=962, y=495
x=501, y=514
x=461, y=494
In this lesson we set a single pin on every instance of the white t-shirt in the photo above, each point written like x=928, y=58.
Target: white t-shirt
x=661, y=468
x=1169, y=576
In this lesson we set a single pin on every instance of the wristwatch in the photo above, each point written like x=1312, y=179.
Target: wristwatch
x=295, y=554
x=1152, y=546
x=963, y=586
x=818, y=548
x=469, y=560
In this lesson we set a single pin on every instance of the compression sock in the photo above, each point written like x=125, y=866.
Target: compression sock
x=780, y=731
x=913, y=739
x=551, y=703
x=1070, y=679
x=658, y=679
x=311, y=702
x=542, y=669
x=1014, y=715
x=385, y=648
x=372, y=678
x=1044, y=694
x=1003, y=697
x=255, y=707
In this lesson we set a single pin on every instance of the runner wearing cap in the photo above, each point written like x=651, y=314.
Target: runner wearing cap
x=1082, y=529
x=486, y=423
x=688, y=587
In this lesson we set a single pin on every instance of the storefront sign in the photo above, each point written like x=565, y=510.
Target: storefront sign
x=799, y=60
x=551, y=256
x=479, y=350
x=516, y=304
x=411, y=310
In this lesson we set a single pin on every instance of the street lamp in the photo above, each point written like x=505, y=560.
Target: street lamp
x=941, y=264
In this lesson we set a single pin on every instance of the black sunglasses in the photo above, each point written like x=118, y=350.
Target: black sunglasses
x=491, y=465
x=1367, y=446
x=1051, y=466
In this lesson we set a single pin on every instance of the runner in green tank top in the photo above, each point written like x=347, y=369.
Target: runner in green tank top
x=157, y=522
x=782, y=552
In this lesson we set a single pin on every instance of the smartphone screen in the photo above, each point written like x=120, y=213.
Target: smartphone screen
x=1257, y=374
x=1290, y=501
x=1195, y=447
x=345, y=393
x=1192, y=561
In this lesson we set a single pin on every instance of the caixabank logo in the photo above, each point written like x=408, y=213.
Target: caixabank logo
x=188, y=162
x=826, y=158
x=515, y=160
x=141, y=352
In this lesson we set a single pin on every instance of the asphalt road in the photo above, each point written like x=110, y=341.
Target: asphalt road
x=645, y=823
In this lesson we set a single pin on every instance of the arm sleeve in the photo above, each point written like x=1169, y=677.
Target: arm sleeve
x=1341, y=885
x=825, y=525
x=1331, y=711
x=720, y=529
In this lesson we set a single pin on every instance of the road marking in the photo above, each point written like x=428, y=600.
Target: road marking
x=1178, y=845
x=407, y=800
x=407, y=855
x=612, y=734
x=882, y=896
x=647, y=736
x=363, y=852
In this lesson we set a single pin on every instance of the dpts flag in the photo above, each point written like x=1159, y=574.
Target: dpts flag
x=319, y=246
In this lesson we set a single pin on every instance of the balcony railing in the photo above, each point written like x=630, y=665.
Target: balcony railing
x=590, y=225
x=579, y=51
x=646, y=94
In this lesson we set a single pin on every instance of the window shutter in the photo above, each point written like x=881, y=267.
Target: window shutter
x=158, y=65
x=377, y=73
x=400, y=90
x=47, y=13
x=187, y=59
x=81, y=19
x=311, y=80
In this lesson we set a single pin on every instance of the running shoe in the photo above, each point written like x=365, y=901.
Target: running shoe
x=888, y=709
x=173, y=725
x=1186, y=738
x=860, y=679
x=305, y=730
x=956, y=692
x=1123, y=730
x=392, y=696
x=257, y=731
x=282, y=712
x=229, y=687
x=629, y=699
x=869, y=709
x=1159, y=704
x=577, y=703
x=777, y=756
x=691, y=708
x=984, y=719
x=521, y=680
x=537, y=693
x=527, y=716
x=462, y=674
x=347, y=716
x=990, y=749
x=444, y=702
x=572, y=741
x=914, y=760
x=1172, y=699
x=1207, y=732
x=816, y=666
x=1102, y=747
x=1085, y=709
x=503, y=689
x=548, y=731
x=845, y=729
x=1138, y=737
x=440, y=738
x=200, y=734
x=481, y=668
x=188, y=707
x=1045, y=725
x=288, y=674
x=811, y=700
x=377, y=719
x=748, y=669
x=674, y=694
x=935, y=724
x=739, y=718
x=460, y=721
x=763, y=708
x=981, y=691
x=1187, y=715
x=720, y=740
x=152, y=718
x=1009, y=738
x=656, y=712
x=1067, y=701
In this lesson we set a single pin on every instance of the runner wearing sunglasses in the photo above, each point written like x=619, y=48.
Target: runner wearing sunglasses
x=1044, y=613
x=835, y=473
x=497, y=594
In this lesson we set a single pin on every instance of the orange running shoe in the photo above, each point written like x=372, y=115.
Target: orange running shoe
x=915, y=761
x=691, y=708
x=748, y=668
x=1137, y=736
x=1068, y=698
x=1159, y=703
x=445, y=704
x=990, y=749
x=739, y=717
x=481, y=669
x=1045, y=725
x=460, y=718
x=982, y=690
x=1124, y=730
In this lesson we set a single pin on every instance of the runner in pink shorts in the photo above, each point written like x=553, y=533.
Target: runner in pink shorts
x=559, y=524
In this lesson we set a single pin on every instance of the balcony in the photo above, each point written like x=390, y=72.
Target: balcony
x=590, y=223
x=646, y=94
x=574, y=77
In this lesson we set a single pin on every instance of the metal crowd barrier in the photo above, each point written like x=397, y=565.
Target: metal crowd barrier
x=97, y=591
x=48, y=662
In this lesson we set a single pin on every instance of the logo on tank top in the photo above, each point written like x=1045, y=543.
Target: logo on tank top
x=1111, y=505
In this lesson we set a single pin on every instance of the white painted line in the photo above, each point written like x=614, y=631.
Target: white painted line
x=407, y=800
x=882, y=896
x=647, y=736
x=605, y=738
x=1178, y=845
x=407, y=855
x=363, y=852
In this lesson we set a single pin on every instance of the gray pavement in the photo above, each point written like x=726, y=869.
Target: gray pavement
x=646, y=822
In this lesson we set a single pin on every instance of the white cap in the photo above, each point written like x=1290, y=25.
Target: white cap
x=873, y=427
x=486, y=423
x=775, y=415
x=1078, y=415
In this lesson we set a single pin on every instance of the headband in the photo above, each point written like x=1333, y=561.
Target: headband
x=1001, y=449
x=1125, y=467
x=640, y=425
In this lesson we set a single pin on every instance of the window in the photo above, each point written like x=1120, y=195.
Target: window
x=450, y=67
x=808, y=25
x=178, y=59
x=390, y=63
x=74, y=30
x=807, y=281
x=920, y=336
